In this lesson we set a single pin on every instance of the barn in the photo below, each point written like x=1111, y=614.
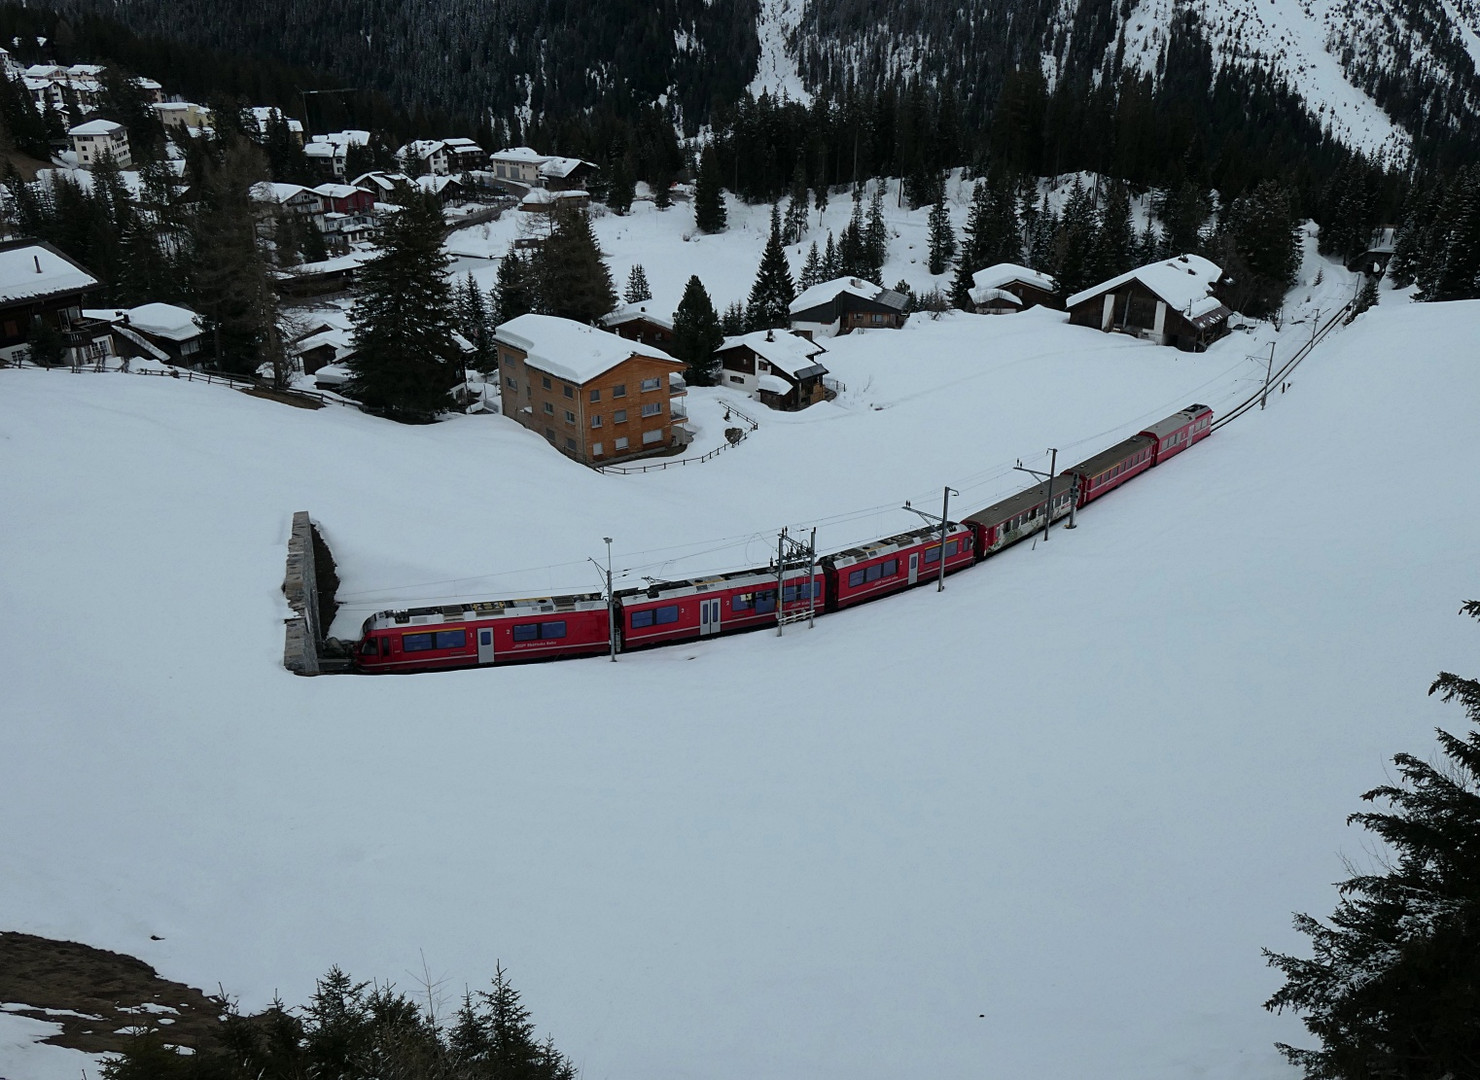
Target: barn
x=1169, y=302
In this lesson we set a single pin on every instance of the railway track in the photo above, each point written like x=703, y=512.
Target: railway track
x=1285, y=369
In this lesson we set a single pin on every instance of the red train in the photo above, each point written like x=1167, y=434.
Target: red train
x=511, y=631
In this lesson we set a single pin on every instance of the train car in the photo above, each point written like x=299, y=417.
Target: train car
x=496, y=632
x=1179, y=431
x=894, y=563
x=1018, y=516
x=743, y=600
x=1110, y=468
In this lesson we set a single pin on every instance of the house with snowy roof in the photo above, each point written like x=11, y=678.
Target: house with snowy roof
x=518, y=163
x=1009, y=287
x=594, y=396
x=191, y=117
x=640, y=322
x=447, y=190
x=95, y=138
x=165, y=332
x=463, y=155
x=40, y=285
x=329, y=154
x=1169, y=302
x=565, y=173
x=777, y=368
x=846, y=304
x=290, y=198
x=383, y=186
x=263, y=116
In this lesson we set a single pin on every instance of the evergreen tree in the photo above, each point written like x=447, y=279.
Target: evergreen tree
x=1115, y=239
x=513, y=1051
x=473, y=322
x=1041, y=237
x=876, y=235
x=1449, y=267
x=1072, y=262
x=794, y=226
x=942, y=237
x=406, y=360
x=1183, y=213
x=709, y=198
x=574, y=282
x=514, y=291
x=1393, y=988
x=853, y=258
x=1257, y=245
x=663, y=192
x=697, y=334
x=774, y=289
x=832, y=261
x=733, y=320
x=637, y=289
x=812, y=269
x=620, y=188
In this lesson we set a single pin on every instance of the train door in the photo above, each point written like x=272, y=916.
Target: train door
x=708, y=617
x=485, y=645
x=914, y=567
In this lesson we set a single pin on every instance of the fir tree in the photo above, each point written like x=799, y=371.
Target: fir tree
x=513, y=1051
x=514, y=291
x=1449, y=267
x=637, y=289
x=709, y=199
x=574, y=282
x=1072, y=262
x=733, y=320
x=697, y=333
x=1392, y=988
x=663, y=191
x=853, y=259
x=620, y=188
x=832, y=261
x=812, y=269
x=1115, y=239
x=1183, y=213
x=406, y=360
x=942, y=237
x=473, y=322
x=794, y=225
x=876, y=235
x=774, y=289
x=1257, y=246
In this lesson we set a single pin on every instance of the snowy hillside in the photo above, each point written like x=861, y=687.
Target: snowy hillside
x=1037, y=825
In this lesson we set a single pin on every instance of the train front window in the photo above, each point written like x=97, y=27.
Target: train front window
x=369, y=647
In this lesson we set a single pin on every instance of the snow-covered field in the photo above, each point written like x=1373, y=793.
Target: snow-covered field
x=1038, y=825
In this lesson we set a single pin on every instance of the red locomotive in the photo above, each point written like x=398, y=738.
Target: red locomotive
x=558, y=627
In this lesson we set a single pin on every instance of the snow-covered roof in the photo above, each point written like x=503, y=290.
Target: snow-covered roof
x=632, y=312
x=323, y=150
x=341, y=341
x=435, y=184
x=773, y=384
x=347, y=137
x=97, y=127
x=421, y=148
x=30, y=271
x=164, y=320
x=267, y=191
x=984, y=296
x=265, y=114
x=785, y=351
x=561, y=167
x=336, y=191
x=1004, y=274
x=827, y=290
x=519, y=153
x=1183, y=282
x=462, y=144
x=570, y=350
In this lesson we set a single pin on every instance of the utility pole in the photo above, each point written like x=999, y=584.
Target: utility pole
x=611, y=599
x=1053, y=466
x=945, y=525
x=1268, y=374
x=780, y=581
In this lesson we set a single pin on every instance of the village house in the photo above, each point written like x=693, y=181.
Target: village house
x=519, y=164
x=544, y=201
x=383, y=186
x=845, y=304
x=463, y=155
x=264, y=115
x=323, y=349
x=565, y=173
x=777, y=368
x=424, y=157
x=192, y=117
x=447, y=190
x=294, y=199
x=348, y=214
x=98, y=137
x=1007, y=287
x=328, y=154
x=165, y=332
x=636, y=323
x=1169, y=303
x=594, y=396
x=41, y=286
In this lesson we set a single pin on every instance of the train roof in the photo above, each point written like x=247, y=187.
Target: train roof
x=1113, y=456
x=485, y=609
x=874, y=548
x=662, y=590
x=1163, y=428
x=1014, y=505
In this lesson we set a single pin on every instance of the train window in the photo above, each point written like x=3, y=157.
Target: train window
x=667, y=614
x=451, y=639
x=529, y=631
x=550, y=630
x=874, y=573
x=855, y=579
x=742, y=602
x=416, y=642
x=765, y=600
x=932, y=555
x=952, y=548
x=891, y=568
x=641, y=619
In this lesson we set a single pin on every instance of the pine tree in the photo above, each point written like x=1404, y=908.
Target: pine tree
x=733, y=320
x=663, y=191
x=473, y=322
x=853, y=260
x=1072, y=262
x=637, y=289
x=774, y=289
x=1115, y=239
x=876, y=236
x=1257, y=246
x=621, y=188
x=794, y=226
x=697, y=333
x=832, y=261
x=812, y=269
x=1183, y=213
x=942, y=237
x=709, y=199
x=1393, y=988
x=514, y=291
x=1450, y=267
x=574, y=282
x=513, y=1051
x=406, y=360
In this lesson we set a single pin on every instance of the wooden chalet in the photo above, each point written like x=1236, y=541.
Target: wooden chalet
x=1169, y=302
x=41, y=286
x=847, y=304
x=1008, y=287
x=777, y=368
x=636, y=322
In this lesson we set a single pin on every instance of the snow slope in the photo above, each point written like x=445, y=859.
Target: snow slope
x=1037, y=825
x=776, y=71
